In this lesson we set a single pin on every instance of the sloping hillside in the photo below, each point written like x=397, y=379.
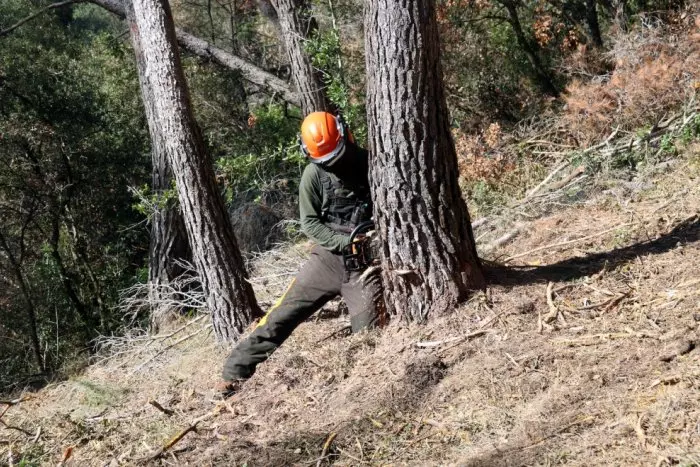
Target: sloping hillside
x=582, y=352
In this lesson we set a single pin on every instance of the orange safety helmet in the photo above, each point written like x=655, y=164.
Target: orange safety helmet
x=323, y=137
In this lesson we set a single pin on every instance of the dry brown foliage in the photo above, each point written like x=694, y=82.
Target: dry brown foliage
x=479, y=158
x=656, y=68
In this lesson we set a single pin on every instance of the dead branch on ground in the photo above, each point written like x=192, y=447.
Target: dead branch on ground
x=165, y=349
x=431, y=344
x=156, y=404
x=326, y=447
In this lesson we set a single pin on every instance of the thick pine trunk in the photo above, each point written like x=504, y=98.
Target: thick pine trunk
x=295, y=26
x=216, y=255
x=429, y=256
x=168, y=242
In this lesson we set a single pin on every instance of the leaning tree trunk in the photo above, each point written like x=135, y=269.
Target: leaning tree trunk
x=295, y=26
x=216, y=255
x=168, y=242
x=429, y=256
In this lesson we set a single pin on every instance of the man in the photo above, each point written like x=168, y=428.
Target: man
x=334, y=198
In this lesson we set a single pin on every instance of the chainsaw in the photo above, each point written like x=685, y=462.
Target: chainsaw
x=362, y=252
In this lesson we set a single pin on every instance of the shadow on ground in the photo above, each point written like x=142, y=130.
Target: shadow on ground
x=686, y=232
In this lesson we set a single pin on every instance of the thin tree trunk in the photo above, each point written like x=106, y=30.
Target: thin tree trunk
x=429, y=257
x=541, y=74
x=88, y=321
x=621, y=14
x=28, y=303
x=216, y=255
x=168, y=242
x=592, y=20
x=295, y=26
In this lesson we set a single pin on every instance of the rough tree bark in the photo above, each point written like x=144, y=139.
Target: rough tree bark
x=168, y=242
x=216, y=255
x=295, y=26
x=429, y=257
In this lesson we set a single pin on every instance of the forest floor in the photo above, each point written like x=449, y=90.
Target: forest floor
x=581, y=352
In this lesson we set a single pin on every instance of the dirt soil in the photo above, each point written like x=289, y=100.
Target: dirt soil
x=581, y=353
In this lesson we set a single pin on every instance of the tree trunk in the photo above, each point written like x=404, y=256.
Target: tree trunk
x=88, y=322
x=216, y=255
x=593, y=25
x=28, y=303
x=168, y=242
x=296, y=26
x=621, y=14
x=429, y=257
x=541, y=74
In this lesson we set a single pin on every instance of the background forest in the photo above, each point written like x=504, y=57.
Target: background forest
x=523, y=78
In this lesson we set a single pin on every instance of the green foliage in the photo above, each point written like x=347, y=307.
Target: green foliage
x=72, y=139
x=273, y=156
x=485, y=198
x=324, y=48
x=691, y=131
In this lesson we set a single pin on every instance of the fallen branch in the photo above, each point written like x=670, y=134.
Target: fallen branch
x=16, y=428
x=568, y=242
x=565, y=181
x=594, y=339
x=431, y=344
x=326, y=447
x=162, y=351
x=608, y=304
x=505, y=238
x=14, y=401
x=553, y=310
x=479, y=222
x=173, y=441
x=546, y=180
x=334, y=333
x=180, y=435
x=157, y=405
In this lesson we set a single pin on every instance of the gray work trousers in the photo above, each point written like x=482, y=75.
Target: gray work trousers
x=320, y=279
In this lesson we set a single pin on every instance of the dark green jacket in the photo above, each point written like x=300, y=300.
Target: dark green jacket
x=315, y=205
x=312, y=204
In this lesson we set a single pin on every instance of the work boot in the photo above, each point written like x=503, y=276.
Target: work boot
x=226, y=389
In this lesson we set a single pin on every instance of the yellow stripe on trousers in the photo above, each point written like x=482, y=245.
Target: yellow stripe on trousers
x=276, y=305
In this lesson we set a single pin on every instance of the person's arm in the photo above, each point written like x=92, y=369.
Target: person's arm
x=310, y=203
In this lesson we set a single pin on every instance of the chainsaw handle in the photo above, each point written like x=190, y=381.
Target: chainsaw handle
x=360, y=229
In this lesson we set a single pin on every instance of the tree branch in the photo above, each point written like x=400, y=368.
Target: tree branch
x=204, y=49
x=52, y=6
